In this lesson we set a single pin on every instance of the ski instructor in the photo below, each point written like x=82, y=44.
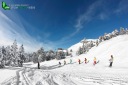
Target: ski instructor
x=111, y=61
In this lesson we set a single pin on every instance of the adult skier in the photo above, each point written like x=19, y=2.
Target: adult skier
x=38, y=65
x=111, y=61
x=79, y=61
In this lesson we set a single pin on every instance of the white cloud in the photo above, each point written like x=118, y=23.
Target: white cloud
x=103, y=16
x=9, y=31
x=84, y=18
x=88, y=15
x=122, y=7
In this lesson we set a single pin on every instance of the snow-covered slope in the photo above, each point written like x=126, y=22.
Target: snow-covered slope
x=75, y=47
x=87, y=74
x=117, y=47
x=84, y=74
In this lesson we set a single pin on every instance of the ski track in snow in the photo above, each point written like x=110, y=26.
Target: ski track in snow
x=46, y=76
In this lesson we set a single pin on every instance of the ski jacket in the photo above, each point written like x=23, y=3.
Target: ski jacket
x=78, y=60
x=111, y=60
x=85, y=59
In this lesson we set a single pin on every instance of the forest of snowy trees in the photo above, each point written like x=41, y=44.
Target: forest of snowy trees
x=89, y=44
x=14, y=56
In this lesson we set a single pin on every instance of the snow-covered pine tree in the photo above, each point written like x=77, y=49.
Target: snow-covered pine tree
x=28, y=57
x=41, y=54
x=87, y=47
x=100, y=39
x=8, y=55
x=21, y=57
x=104, y=37
x=67, y=53
x=35, y=57
x=1, y=59
x=84, y=42
x=126, y=30
x=47, y=55
x=91, y=44
x=97, y=42
x=80, y=51
x=4, y=55
x=60, y=55
x=116, y=32
x=14, y=53
x=52, y=54
x=122, y=31
x=71, y=50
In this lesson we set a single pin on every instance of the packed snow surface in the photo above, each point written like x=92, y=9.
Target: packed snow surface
x=80, y=74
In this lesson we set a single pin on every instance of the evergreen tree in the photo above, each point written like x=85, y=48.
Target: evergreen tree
x=47, y=55
x=41, y=54
x=116, y=32
x=35, y=57
x=126, y=31
x=70, y=50
x=3, y=55
x=52, y=54
x=21, y=57
x=14, y=53
x=59, y=55
x=21, y=52
x=100, y=39
x=1, y=59
x=80, y=51
x=8, y=55
x=67, y=53
x=122, y=31
x=97, y=42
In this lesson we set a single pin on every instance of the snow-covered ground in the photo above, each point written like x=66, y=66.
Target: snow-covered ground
x=74, y=74
x=7, y=74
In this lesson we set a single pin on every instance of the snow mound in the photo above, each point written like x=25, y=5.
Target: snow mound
x=75, y=47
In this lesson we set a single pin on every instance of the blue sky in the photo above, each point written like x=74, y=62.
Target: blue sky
x=61, y=23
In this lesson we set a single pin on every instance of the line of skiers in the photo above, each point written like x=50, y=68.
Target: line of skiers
x=95, y=61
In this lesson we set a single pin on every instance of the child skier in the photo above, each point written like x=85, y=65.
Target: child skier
x=60, y=63
x=111, y=61
x=64, y=62
x=79, y=61
x=85, y=60
x=94, y=63
x=70, y=61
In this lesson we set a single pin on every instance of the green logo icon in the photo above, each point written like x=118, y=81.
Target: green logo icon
x=4, y=6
